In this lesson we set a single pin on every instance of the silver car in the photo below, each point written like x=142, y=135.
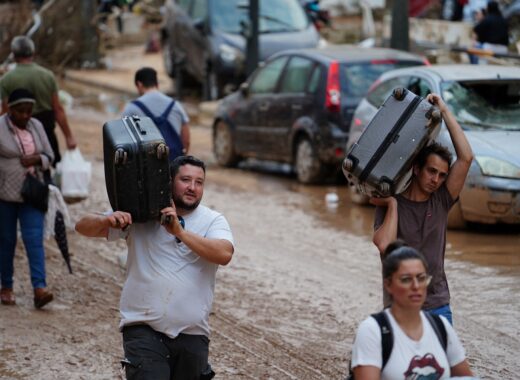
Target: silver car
x=486, y=102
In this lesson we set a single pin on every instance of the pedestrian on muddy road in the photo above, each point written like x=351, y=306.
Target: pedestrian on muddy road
x=167, y=113
x=24, y=150
x=42, y=83
x=169, y=287
x=418, y=343
x=419, y=215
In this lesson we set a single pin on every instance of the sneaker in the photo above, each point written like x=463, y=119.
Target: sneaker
x=7, y=296
x=42, y=297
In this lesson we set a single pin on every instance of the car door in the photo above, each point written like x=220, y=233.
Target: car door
x=252, y=115
x=290, y=103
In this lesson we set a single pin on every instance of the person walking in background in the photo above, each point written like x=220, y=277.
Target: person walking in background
x=171, y=271
x=167, y=114
x=419, y=215
x=417, y=349
x=42, y=83
x=24, y=147
x=491, y=32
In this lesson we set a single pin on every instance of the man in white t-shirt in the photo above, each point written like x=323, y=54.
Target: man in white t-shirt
x=169, y=287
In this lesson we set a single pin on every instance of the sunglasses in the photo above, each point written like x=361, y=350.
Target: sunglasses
x=422, y=279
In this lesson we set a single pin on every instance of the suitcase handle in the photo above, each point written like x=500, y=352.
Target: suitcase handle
x=136, y=119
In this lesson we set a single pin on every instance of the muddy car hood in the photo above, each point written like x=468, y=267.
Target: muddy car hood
x=500, y=144
x=271, y=43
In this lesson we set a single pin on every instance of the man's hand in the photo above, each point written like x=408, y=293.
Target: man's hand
x=31, y=160
x=383, y=202
x=71, y=142
x=119, y=219
x=174, y=227
x=437, y=101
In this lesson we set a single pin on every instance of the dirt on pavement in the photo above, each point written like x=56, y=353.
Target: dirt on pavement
x=286, y=307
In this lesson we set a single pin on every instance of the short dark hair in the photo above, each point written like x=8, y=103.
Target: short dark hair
x=397, y=252
x=22, y=47
x=147, y=76
x=433, y=148
x=176, y=163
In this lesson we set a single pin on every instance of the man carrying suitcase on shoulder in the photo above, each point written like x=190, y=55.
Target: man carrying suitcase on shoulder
x=169, y=287
x=167, y=114
x=419, y=215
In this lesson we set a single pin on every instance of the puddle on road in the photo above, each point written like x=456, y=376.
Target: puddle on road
x=492, y=246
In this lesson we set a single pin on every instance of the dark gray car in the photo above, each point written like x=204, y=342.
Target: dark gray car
x=203, y=39
x=297, y=107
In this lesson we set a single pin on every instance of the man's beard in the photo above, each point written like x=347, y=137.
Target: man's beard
x=180, y=204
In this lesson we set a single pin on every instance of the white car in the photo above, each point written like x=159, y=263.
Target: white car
x=486, y=102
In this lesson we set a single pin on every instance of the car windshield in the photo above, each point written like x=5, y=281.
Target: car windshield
x=358, y=77
x=274, y=15
x=484, y=105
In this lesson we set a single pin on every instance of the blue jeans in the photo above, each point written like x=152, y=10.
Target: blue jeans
x=443, y=310
x=31, y=224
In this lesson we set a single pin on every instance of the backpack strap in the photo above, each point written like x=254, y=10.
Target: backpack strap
x=439, y=328
x=168, y=110
x=387, y=337
x=143, y=108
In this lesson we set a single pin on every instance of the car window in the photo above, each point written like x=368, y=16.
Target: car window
x=484, y=105
x=314, y=82
x=267, y=77
x=199, y=10
x=184, y=4
x=419, y=86
x=356, y=78
x=274, y=15
x=381, y=92
x=296, y=75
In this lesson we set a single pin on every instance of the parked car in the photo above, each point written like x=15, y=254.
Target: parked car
x=203, y=39
x=297, y=107
x=486, y=102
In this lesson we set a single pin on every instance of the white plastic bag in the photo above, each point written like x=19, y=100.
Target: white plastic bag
x=74, y=175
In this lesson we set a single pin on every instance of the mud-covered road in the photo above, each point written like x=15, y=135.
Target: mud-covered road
x=303, y=276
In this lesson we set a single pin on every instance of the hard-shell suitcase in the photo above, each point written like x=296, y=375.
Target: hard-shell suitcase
x=379, y=163
x=137, y=173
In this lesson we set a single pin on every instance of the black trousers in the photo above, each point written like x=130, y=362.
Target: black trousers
x=151, y=355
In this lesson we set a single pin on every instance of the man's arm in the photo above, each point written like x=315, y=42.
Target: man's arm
x=61, y=119
x=97, y=225
x=4, y=106
x=387, y=231
x=185, y=137
x=217, y=251
x=460, y=168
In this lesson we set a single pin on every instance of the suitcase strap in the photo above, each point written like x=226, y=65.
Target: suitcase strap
x=389, y=139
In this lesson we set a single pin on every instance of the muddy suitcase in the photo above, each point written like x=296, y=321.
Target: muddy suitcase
x=379, y=163
x=136, y=167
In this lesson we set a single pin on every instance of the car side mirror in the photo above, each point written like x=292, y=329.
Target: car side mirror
x=244, y=89
x=200, y=25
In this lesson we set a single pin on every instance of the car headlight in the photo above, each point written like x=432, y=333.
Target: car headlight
x=229, y=54
x=492, y=166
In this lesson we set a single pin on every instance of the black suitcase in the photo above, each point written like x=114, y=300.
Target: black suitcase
x=137, y=173
x=379, y=163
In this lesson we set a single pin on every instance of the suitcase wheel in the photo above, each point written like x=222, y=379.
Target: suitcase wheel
x=347, y=164
x=120, y=157
x=399, y=93
x=162, y=151
x=384, y=188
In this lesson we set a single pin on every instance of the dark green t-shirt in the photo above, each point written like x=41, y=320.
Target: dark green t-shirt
x=33, y=77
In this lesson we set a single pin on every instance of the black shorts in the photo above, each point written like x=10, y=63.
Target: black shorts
x=151, y=355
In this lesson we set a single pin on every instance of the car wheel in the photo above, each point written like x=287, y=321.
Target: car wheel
x=308, y=167
x=211, y=89
x=223, y=145
x=456, y=220
x=168, y=59
x=356, y=197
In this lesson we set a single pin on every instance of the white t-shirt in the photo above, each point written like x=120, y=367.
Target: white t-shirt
x=168, y=286
x=423, y=359
x=157, y=102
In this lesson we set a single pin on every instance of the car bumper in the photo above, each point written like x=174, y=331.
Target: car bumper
x=331, y=149
x=491, y=200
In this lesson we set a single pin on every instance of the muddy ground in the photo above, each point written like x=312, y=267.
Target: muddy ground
x=286, y=307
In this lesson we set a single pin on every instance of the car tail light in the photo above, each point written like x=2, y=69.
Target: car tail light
x=333, y=93
x=357, y=122
x=426, y=62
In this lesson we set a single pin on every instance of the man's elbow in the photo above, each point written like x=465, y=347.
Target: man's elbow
x=379, y=243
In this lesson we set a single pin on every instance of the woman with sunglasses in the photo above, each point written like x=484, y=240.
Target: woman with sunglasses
x=417, y=352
